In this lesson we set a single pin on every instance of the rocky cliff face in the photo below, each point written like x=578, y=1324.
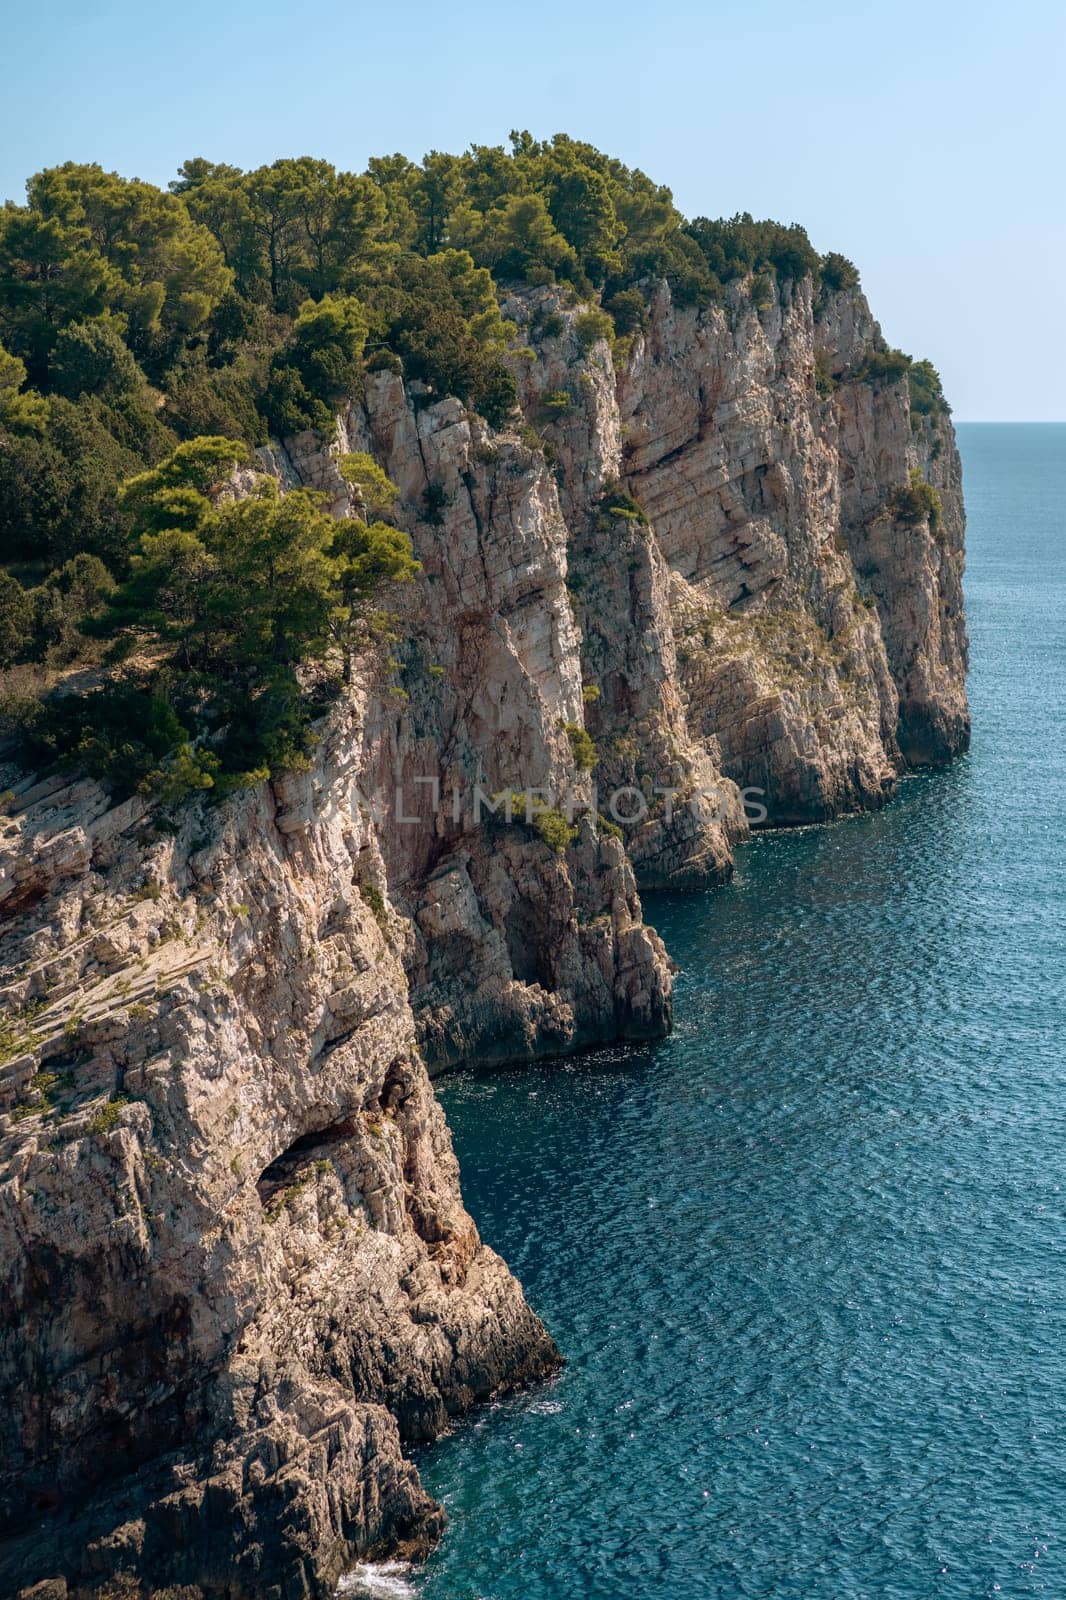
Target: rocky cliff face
x=237, y=1263
x=820, y=644
x=238, y=1275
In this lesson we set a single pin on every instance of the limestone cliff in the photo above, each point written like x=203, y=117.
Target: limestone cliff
x=819, y=642
x=238, y=1275
x=237, y=1264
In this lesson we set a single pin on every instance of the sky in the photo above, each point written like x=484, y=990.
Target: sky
x=927, y=141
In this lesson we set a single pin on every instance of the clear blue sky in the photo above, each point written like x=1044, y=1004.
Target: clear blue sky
x=925, y=140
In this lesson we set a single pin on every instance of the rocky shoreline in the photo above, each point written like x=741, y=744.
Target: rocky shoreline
x=238, y=1275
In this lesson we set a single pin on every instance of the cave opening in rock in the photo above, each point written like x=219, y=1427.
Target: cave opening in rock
x=286, y=1168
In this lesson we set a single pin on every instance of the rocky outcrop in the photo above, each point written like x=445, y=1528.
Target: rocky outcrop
x=688, y=595
x=238, y=1275
x=516, y=951
x=819, y=642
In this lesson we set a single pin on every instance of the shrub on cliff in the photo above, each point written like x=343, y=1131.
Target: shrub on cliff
x=374, y=489
x=837, y=272
x=824, y=379
x=554, y=830
x=592, y=326
x=916, y=502
x=627, y=311
x=582, y=747
x=617, y=504
x=927, y=395
x=883, y=367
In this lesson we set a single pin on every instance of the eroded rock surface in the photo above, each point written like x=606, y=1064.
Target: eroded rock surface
x=236, y=1260
x=820, y=644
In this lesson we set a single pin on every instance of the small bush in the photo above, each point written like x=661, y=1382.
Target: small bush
x=824, y=381
x=385, y=361
x=617, y=503
x=837, y=272
x=582, y=747
x=375, y=489
x=762, y=291
x=434, y=503
x=107, y=1117
x=628, y=312
x=554, y=829
x=917, y=502
x=884, y=366
x=557, y=400
x=926, y=392
x=592, y=326
x=534, y=441
x=547, y=325
x=375, y=900
x=15, y=1039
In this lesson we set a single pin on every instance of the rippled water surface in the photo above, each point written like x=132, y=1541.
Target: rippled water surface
x=807, y=1258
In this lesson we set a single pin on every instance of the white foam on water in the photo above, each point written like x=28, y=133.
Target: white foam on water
x=378, y=1580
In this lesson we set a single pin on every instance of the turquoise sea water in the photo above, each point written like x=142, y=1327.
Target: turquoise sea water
x=807, y=1257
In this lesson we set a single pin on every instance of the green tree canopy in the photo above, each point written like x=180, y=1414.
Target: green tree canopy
x=237, y=585
x=16, y=620
x=149, y=340
x=21, y=412
x=375, y=490
x=92, y=358
x=165, y=269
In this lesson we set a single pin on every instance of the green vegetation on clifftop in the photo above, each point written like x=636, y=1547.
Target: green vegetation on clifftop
x=150, y=341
